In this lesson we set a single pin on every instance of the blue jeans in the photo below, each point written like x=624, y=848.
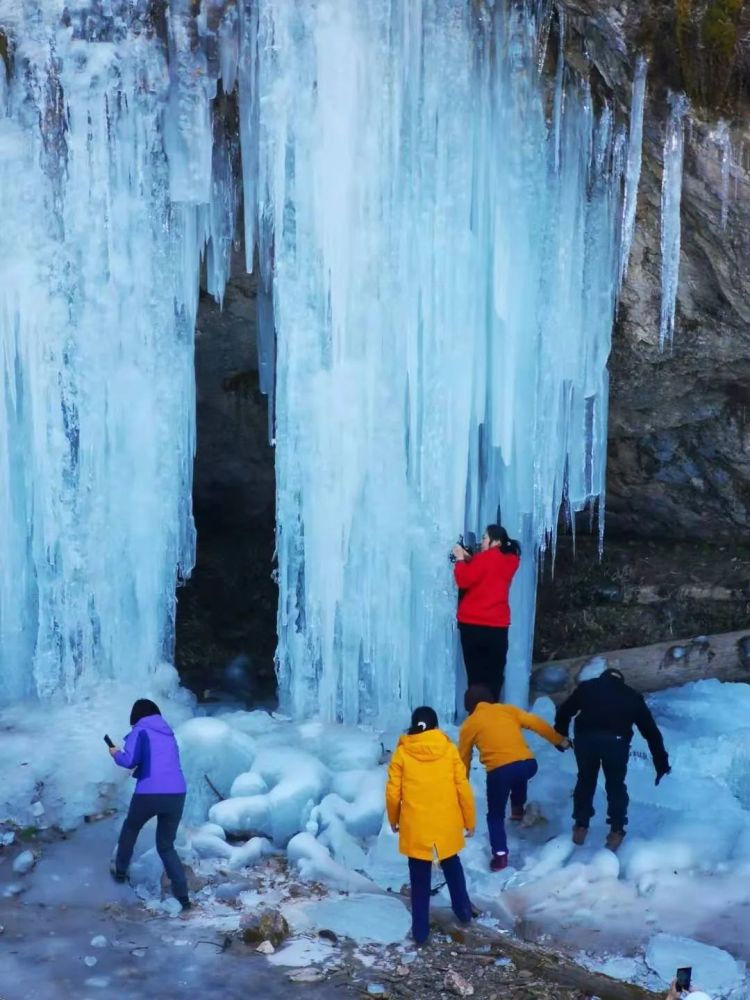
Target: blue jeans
x=509, y=780
x=420, y=873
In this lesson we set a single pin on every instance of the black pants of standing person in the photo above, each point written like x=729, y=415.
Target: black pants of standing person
x=485, y=651
x=610, y=752
x=168, y=811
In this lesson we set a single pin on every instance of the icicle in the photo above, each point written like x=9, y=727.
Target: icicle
x=633, y=168
x=559, y=78
x=671, y=198
x=724, y=144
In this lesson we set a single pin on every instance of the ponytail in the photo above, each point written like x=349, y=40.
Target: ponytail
x=508, y=546
x=422, y=719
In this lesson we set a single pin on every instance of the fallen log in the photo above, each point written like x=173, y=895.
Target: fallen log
x=544, y=963
x=725, y=656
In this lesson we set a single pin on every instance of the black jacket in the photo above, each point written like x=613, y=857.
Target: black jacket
x=607, y=705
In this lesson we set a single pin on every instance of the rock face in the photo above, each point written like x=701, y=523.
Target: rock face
x=679, y=427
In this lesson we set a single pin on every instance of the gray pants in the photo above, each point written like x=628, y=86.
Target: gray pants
x=168, y=812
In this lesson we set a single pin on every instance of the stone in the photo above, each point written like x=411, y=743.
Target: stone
x=306, y=975
x=264, y=924
x=455, y=983
x=265, y=948
x=24, y=862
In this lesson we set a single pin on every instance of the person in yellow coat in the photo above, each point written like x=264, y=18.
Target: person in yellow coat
x=430, y=804
x=497, y=731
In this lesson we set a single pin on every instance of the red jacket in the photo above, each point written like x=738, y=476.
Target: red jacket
x=484, y=582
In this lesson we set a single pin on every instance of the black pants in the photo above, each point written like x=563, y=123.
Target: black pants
x=168, y=812
x=610, y=752
x=485, y=651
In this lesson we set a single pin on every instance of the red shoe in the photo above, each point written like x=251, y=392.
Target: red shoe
x=517, y=813
x=498, y=862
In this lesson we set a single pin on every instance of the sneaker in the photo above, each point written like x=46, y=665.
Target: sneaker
x=185, y=903
x=579, y=835
x=499, y=861
x=517, y=813
x=614, y=839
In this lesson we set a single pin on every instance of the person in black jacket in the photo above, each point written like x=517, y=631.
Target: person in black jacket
x=606, y=710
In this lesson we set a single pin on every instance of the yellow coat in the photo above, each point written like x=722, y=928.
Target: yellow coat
x=428, y=795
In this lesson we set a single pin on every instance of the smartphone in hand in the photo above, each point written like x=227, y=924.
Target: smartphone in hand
x=683, y=978
x=108, y=741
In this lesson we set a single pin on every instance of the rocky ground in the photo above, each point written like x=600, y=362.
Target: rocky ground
x=67, y=930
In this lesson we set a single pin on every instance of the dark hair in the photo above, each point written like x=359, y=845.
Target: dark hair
x=475, y=694
x=496, y=533
x=141, y=709
x=422, y=719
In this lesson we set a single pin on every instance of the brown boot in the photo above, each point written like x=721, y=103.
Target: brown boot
x=614, y=839
x=579, y=835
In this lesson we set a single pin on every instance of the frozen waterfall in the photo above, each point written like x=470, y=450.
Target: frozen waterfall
x=98, y=294
x=445, y=272
x=439, y=228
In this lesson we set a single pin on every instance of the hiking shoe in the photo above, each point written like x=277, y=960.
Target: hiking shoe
x=614, y=839
x=517, y=813
x=498, y=862
x=579, y=835
x=117, y=876
x=185, y=903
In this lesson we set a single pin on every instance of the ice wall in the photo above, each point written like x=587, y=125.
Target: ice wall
x=438, y=228
x=100, y=242
x=445, y=265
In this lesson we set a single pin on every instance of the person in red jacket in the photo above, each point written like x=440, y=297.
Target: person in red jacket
x=483, y=582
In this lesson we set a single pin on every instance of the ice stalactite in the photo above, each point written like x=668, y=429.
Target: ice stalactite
x=671, y=200
x=98, y=295
x=633, y=165
x=445, y=268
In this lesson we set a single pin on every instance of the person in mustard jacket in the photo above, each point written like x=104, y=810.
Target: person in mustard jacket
x=496, y=730
x=430, y=804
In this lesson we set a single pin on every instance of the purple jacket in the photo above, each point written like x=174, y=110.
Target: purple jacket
x=150, y=747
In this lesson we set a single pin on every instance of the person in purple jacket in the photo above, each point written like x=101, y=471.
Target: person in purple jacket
x=151, y=749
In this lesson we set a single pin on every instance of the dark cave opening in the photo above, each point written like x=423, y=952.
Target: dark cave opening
x=226, y=610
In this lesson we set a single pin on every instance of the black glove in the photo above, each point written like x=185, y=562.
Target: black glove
x=661, y=771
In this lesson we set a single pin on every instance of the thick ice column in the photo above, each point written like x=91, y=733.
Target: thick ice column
x=445, y=268
x=98, y=289
x=671, y=200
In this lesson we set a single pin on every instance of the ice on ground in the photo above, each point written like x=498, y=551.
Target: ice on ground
x=55, y=765
x=247, y=783
x=314, y=862
x=302, y=952
x=360, y=917
x=213, y=754
x=714, y=969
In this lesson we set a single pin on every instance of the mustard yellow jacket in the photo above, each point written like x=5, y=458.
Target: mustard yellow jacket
x=429, y=796
x=496, y=731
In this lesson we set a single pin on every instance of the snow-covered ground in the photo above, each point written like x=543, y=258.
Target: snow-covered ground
x=678, y=892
